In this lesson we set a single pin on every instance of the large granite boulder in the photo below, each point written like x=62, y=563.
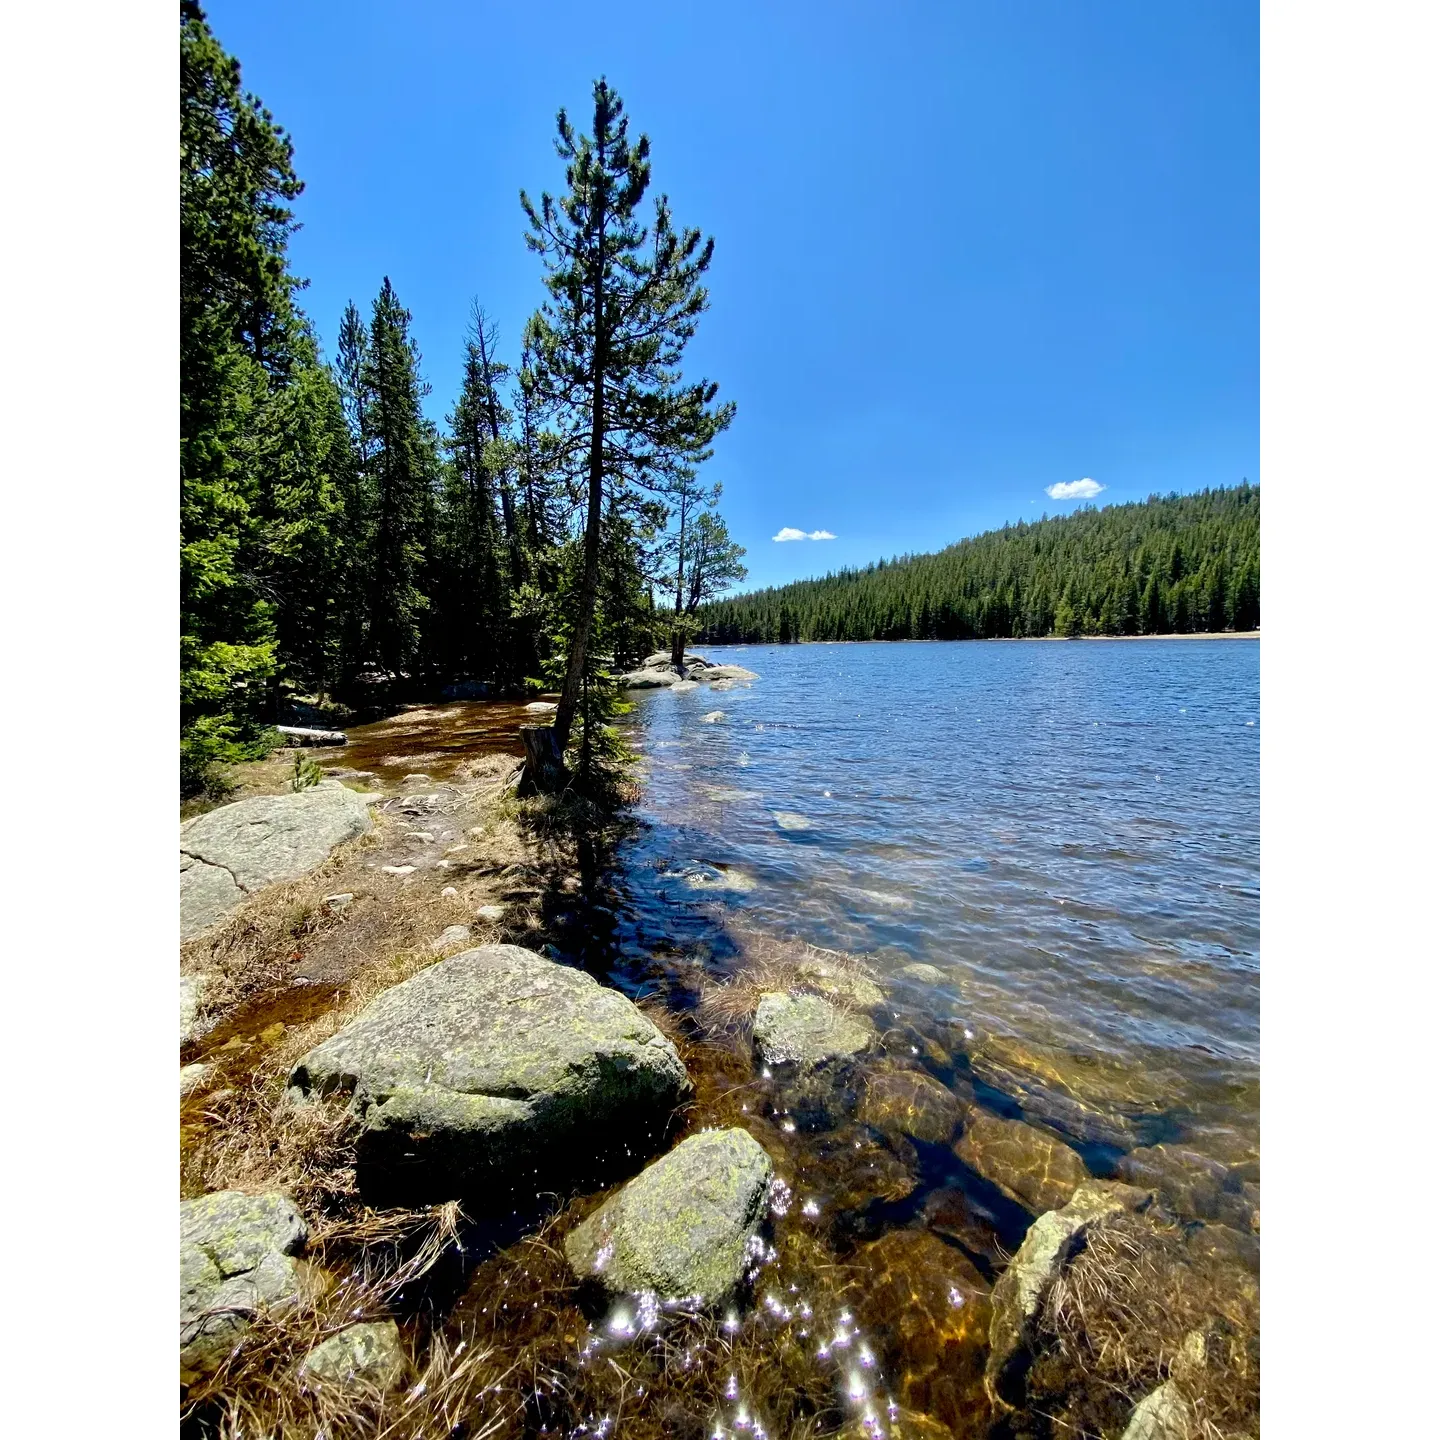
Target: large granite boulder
x=808, y=1031
x=1032, y=1168
x=235, y=1259
x=683, y=1226
x=492, y=1070
x=927, y=1308
x=229, y=853
x=1020, y=1291
x=728, y=672
x=358, y=1359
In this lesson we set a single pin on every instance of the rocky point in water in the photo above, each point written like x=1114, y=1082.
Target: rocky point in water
x=496, y=1070
x=683, y=1226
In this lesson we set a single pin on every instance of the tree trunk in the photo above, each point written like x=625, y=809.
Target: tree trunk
x=590, y=582
x=544, y=761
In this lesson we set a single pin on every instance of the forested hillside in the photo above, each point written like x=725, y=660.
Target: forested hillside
x=336, y=543
x=1172, y=565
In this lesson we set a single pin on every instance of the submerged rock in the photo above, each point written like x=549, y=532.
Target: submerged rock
x=840, y=981
x=713, y=718
x=229, y=853
x=495, y=1067
x=791, y=820
x=855, y=1168
x=808, y=1031
x=1031, y=1167
x=1021, y=1290
x=899, y=1424
x=1193, y=1185
x=235, y=1259
x=1092, y=1096
x=928, y=1309
x=362, y=1357
x=683, y=1226
x=1159, y=1416
x=917, y=972
x=912, y=1102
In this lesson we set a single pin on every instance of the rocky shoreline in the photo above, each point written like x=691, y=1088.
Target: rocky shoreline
x=390, y=1072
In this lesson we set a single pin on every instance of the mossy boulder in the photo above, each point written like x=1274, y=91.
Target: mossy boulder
x=683, y=1226
x=807, y=1031
x=495, y=1071
x=1034, y=1169
x=357, y=1359
x=235, y=1259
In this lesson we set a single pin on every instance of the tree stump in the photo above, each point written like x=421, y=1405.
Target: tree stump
x=544, y=764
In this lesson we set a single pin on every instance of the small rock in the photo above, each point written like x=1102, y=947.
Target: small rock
x=424, y=835
x=919, y=973
x=272, y=1033
x=713, y=718
x=398, y=869
x=449, y=893
x=808, y=1031
x=790, y=820
x=837, y=981
x=416, y=780
x=192, y=1077
x=542, y=707
x=336, y=903
x=724, y=685
x=358, y=1358
x=452, y=937
x=1159, y=1416
x=493, y=913
x=680, y=686
x=192, y=996
x=683, y=1226
x=1031, y=1167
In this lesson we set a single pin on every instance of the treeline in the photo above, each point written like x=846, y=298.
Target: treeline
x=336, y=543
x=1176, y=564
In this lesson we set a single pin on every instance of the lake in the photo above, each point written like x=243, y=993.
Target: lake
x=1069, y=831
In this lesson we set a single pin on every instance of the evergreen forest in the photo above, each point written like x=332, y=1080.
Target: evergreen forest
x=338, y=547
x=1175, y=564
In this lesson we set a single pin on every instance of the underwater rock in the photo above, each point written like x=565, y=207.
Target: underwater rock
x=683, y=1226
x=808, y=1031
x=853, y=1168
x=1193, y=1185
x=1091, y=1096
x=918, y=972
x=1159, y=1416
x=912, y=1102
x=791, y=820
x=1021, y=1290
x=928, y=1310
x=495, y=1067
x=229, y=853
x=235, y=1258
x=898, y=1424
x=358, y=1358
x=713, y=718
x=1032, y=1168
x=840, y=980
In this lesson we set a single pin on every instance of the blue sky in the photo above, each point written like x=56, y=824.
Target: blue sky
x=964, y=252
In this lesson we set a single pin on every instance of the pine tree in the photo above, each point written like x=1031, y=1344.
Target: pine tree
x=404, y=465
x=624, y=301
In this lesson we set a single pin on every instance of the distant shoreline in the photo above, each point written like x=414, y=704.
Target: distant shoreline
x=995, y=639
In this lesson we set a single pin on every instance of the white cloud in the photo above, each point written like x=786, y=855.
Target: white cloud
x=789, y=532
x=1074, y=490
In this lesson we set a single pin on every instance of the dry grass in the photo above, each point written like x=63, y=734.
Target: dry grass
x=768, y=964
x=1137, y=1307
